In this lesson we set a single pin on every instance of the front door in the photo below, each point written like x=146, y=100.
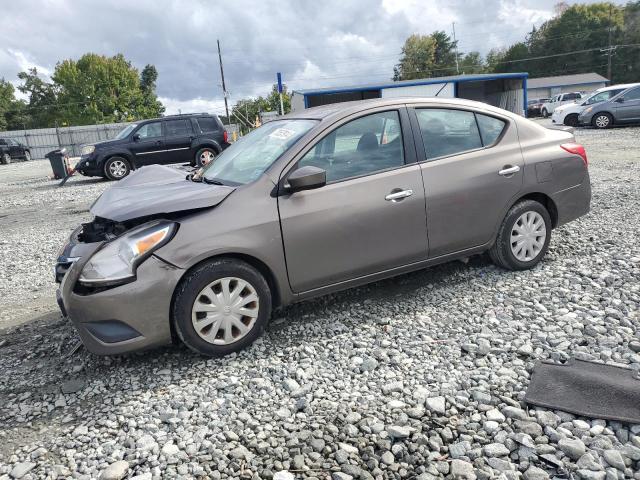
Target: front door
x=148, y=144
x=628, y=110
x=370, y=216
x=472, y=168
x=178, y=135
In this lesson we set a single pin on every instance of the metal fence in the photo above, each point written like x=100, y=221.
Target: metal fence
x=43, y=140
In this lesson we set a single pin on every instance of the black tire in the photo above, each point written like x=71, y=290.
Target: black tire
x=544, y=112
x=27, y=156
x=5, y=159
x=571, y=120
x=191, y=286
x=198, y=159
x=602, y=120
x=501, y=252
x=116, y=168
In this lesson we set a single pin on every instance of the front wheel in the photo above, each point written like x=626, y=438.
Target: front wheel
x=27, y=155
x=116, y=168
x=523, y=237
x=571, y=120
x=602, y=120
x=5, y=159
x=545, y=114
x=221, y=307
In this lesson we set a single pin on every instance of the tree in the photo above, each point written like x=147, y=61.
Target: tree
x=273, y=99
x=418, y=58
x=247, y=110
x=151, y=106
x=42, y=106
x=472, y=63
x=444, y=59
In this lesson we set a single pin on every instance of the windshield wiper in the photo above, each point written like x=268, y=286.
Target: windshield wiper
x=212, y=181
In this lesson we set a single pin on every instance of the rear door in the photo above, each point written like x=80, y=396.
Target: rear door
x=178, y=135
x=148, y=144
x=15, y=149
x=369, y=217
x=627, y=107
x=472, y=168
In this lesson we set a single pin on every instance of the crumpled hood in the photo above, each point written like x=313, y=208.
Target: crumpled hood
x=153, y=190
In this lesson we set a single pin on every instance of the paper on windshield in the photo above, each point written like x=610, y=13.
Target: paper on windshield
x=282, y=133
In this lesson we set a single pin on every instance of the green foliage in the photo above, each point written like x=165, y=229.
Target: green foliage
x=92, y=89
x=247, y=110
x=100, y=89
x=418, y=58
x=581, y=28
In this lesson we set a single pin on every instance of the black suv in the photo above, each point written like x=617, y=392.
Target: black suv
x=11, y=149
x=195, y=138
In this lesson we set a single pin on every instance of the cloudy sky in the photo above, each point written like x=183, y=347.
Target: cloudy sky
x=313, y=43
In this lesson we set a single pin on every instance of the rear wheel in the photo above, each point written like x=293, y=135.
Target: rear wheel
x=545, y=114
x=205, y=155
x=523, y=237
x=5, y=159
x=221, y=307
x=602, y=120
x=116, y=168
x=27, y=155
x=571, y=120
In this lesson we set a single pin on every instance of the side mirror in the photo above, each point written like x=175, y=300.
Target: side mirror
x=136, y=137
x=307, y=178
x=620, y=100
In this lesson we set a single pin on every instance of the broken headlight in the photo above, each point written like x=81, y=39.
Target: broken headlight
x=117, y=261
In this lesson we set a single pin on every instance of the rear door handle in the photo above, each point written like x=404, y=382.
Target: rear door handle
x=395, y=196
x=505, y=172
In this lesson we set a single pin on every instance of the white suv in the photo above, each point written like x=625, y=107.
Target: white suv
x=568, y=114
x=557, y=100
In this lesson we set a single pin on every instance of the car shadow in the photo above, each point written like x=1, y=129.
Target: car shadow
x=41, y=355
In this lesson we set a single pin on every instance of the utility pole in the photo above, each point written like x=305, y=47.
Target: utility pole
x=453, y=25
x=609, y=49
x=224, y=88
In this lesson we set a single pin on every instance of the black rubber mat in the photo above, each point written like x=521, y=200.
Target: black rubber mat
x=586, y=388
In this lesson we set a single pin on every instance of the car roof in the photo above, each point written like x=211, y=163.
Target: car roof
x=622, y=86
x=345, y=108
x=178, y=115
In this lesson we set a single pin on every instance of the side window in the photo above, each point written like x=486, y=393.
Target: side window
x=363, y=146
x=150, y=130
x=175, y=128
x=207, y=124
x=632, y=95
x=3, y=142
x=447, y=132
x=490, y=128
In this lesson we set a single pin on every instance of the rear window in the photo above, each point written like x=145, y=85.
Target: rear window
x=207, y=124
x=490, y=128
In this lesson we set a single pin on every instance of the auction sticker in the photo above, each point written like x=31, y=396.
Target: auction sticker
x=282, y=133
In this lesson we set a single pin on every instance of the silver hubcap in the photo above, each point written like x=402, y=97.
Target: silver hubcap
x=206, y=157
x=225, y=310
x=602, y=121
x=528, y=236
x=117, y=168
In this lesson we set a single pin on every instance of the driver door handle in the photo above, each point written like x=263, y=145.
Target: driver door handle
x=395, y=196
x=509, y=170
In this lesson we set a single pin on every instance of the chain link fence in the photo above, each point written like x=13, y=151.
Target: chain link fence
x=43, y=140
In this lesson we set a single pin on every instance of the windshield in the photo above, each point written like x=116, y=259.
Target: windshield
x=249, y=157
x=125, y=131
x=601, y=96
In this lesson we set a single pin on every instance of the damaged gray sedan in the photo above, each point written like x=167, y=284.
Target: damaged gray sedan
x=316, y=202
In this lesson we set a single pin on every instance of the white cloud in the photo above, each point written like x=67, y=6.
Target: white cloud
x=194, y=105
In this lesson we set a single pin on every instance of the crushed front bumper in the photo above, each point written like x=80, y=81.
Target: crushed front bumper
x=124, y=318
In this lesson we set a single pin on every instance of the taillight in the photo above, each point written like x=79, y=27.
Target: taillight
x=576, y=149
x=225, y=136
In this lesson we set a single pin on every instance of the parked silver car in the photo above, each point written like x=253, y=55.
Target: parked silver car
x=319, y=201
x=622, y=109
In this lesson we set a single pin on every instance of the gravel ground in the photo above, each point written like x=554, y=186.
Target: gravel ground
x=421, y=376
